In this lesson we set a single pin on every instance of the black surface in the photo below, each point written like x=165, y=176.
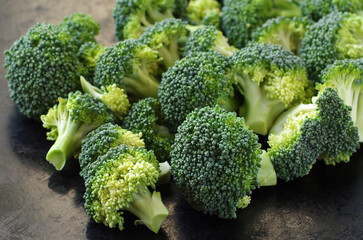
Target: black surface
x=37, y=202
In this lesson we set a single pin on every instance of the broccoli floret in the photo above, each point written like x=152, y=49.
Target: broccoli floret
x=115, y=98
x=323, y=129
x=39, y=72
x=195, y=81
x=215, y=160
x=336, y=36
x=88, y=54
x=284, y=31
x=132, y=17
x=118, y=181
x=163, y=37
x=240, y=18
x=316, y=9
x=131, y=65
x=271, y=79
x=69, y=122
x=205, y=12
x=207, y=38
x=346, y=77
x=144, y=117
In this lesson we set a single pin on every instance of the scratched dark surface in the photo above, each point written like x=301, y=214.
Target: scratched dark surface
x=37, y=202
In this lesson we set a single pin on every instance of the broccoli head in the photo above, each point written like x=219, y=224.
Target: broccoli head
x=205, y=12
x=119, y=181
x=88, y=54
x=215, y=160
x=271, y=79
x=321, y=130
x=69, y=122
x=346, y=77
x=334, y=37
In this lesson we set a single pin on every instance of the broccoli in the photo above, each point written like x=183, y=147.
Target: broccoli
x=115, y=98
x=133, y=16
x=207, y=38
x=316, y=9
x=88, y=54
x=284, y=31
x=215, y=161
x=131, y=65
x=346, y=77
x=69, y=122
x=193, y=82
x=336, y=36
x=271, y=79
x=205, y=12
x=240, y=18
x=144, y=117
x=118, y=181
x=163, y=37
x=321, y=130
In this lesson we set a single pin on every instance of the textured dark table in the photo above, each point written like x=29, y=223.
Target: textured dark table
x=37, y=202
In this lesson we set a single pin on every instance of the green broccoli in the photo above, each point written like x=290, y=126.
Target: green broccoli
x=316, y=9
x=321, y=130
x=207, y=38
x=284, y=31
x=144, y=117
x=69, y=122
x=336, y=36
x=215, y=161
x=205, y=12
x=346, y=77
x=118, y=181
x=163, y=37
x=131, y=65
x=271, y=79
x=88, y=54
x=195, y=81
x=115, y=98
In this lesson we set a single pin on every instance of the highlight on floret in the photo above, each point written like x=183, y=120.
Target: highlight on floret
x=88, y=54
x=320, y=130
x=115, y=98
x=271, y=79
x=164, y=37
x=204, y=12
x=215, y=162
x=334, y=37
x=69, y=122
x=131, y=65
x=144, y=117
x=195, y=81
x=346, y=77
x=284, y=31
x=119, y=181
x=208, y=38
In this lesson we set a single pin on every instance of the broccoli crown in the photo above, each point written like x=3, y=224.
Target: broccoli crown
x=206, y=12
x=207, y=38
x=284, y=31
x=316, y=9
x=38, y=72
x=133, y=16
x=82, y=28
x=335, y=36
x=143, y=118
x=88, y=54
x=100, y=140
x=131, y=65
x=326, y=131
x=115, y=179
x=193, y=82
x=346, y=77
x=215, y=160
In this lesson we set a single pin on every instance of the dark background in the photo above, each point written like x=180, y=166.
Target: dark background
x=37, y=202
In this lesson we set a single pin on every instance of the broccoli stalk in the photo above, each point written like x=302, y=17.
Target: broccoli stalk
x=266, y=175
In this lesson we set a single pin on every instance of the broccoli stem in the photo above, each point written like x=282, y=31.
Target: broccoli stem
x=149, y=208
x=222, y=46
x=164, y=132
x=266, y=175
x=164, y=176
x=143, y=85
x=90, y=89
x=287, y=8
x=157, y=16
x=170, y=54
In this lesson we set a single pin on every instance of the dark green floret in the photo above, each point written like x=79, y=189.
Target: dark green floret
x=215, y=160
x=131, y=65
x=321, y=130
x=204, y=12
x=336, y=36
x=194, y=82
x=271, y=79
x=88, y=54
